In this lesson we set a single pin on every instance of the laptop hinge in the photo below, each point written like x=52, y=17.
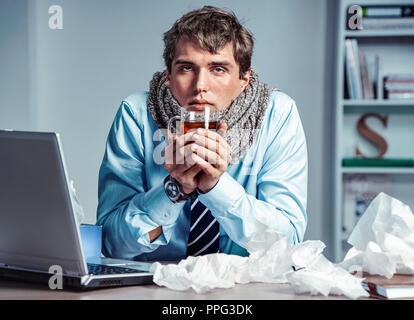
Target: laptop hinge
x=84, y=280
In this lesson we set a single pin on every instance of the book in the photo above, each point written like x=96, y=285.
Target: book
x=357, y=74
x=398, y=287
x=367, y=84
x=399, y=86
x=387, y=11
x=352, y=68
x=349, y=66
x=383, y=16
x=399, y=83
x=379, y=79
x=406, y=23
x=400, y=77
x=375, y=162
x=400, y=94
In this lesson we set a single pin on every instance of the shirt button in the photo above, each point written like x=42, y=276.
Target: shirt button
x=166, y=215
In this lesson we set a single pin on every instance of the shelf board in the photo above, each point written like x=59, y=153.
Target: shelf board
x=376, y=105
x=378, y=33
x=378, y=170
x=379, y=102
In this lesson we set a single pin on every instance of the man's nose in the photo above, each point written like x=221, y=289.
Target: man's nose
x=201, y=81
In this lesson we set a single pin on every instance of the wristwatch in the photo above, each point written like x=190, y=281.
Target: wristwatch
x=173, y=191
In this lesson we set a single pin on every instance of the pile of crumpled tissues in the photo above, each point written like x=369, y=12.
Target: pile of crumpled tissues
x=383, y=239
x=273, y=259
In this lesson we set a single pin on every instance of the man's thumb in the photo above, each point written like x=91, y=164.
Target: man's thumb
x=222, y=129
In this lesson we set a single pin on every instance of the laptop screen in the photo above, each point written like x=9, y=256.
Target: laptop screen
x=37, y=224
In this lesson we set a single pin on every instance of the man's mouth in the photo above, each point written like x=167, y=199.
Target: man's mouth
x=200, y=103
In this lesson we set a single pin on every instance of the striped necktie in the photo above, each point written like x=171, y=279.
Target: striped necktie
x=204, y=231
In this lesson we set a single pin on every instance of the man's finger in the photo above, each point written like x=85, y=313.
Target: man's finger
x=184, y=139
x=212, y=157
x=214, y=137
x=220, y=147
x=205, y=166
x=176, y=142
x=183, y=155
x=192, y=171
x=222, y=129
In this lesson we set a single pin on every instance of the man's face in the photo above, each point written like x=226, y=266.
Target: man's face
x=199, y=77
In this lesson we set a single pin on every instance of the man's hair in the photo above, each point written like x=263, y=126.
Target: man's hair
x=211, y=28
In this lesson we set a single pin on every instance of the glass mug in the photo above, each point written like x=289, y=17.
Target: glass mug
x=192, y=118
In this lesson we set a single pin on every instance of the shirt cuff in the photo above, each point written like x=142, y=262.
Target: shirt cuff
x=224, y=196
x=158, y=206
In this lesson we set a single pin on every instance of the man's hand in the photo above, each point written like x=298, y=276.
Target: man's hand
x=178, y=161
x=211, y=153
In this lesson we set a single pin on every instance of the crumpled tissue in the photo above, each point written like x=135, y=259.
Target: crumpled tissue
x=383, y=239
x=272, y=259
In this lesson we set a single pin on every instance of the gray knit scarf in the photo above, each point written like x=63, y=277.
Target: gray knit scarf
x=244, y=117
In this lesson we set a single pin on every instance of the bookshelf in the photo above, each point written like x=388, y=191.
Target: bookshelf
x=395, y=47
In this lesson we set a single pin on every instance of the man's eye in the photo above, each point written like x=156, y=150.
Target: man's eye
x=218, y=70
x=186, y=68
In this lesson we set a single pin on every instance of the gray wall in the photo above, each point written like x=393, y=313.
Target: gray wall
x=14, y=65
x=72, y=80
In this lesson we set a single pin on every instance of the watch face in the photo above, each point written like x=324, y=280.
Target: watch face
x=172, y=190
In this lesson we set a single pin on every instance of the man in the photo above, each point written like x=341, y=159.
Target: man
x=168, y=210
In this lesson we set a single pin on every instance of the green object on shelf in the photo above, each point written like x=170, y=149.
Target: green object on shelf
x=374, y=162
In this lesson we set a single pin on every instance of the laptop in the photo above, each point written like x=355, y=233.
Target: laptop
x=39, y=234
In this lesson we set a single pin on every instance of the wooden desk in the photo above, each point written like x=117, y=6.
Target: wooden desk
x=16, y=290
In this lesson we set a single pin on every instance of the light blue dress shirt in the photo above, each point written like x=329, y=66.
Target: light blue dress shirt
x=268, y=184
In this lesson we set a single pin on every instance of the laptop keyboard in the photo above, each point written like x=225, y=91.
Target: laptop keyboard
x=100, y=269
